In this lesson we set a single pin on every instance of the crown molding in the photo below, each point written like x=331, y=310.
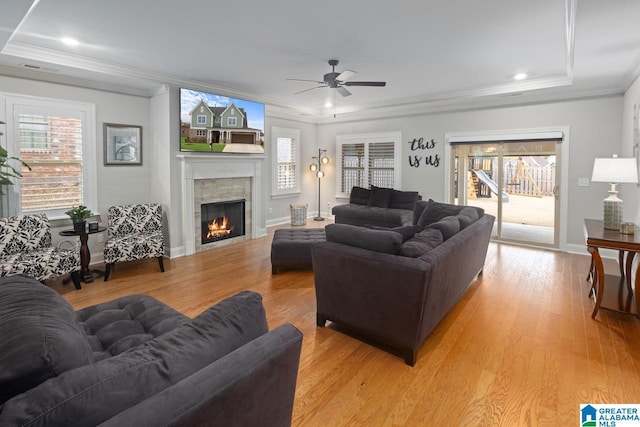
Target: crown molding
x=51, y=56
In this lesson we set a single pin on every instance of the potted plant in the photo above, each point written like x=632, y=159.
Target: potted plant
x=6, y=170
x=79, y=215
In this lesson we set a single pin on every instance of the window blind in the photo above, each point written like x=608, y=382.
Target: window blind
x=286, y=172
x=367, y=164
x=555, y=136
x=52, y=147
x=353, y=162
x=381, y=164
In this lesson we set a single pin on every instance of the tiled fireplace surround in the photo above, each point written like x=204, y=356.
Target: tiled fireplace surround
x=208, y=179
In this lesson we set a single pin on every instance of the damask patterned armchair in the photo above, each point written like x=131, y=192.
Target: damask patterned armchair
x=135, y=232
x=25, y=248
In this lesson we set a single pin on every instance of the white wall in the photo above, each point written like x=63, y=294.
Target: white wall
x=595, y=130
x=277, y=211
x=630, y=193
x=116, y=184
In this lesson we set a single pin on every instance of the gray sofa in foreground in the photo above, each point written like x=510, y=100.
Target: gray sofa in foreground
x=134, y=361
x=396, y=285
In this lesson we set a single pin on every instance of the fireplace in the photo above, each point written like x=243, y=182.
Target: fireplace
x=215, y=179
x=222, y=220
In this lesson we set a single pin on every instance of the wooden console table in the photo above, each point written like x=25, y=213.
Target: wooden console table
x=613, y=292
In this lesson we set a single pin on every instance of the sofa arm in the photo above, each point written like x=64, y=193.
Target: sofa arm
x=253, y=385
x=379, y=294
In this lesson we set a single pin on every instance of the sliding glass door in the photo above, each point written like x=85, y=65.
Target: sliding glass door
x=516, y=181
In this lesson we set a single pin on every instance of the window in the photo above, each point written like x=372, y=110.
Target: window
x=201, y=119
x=201, y=132
x=286, y=161
x=366, y=160
x=57, y=139
x=232, y=121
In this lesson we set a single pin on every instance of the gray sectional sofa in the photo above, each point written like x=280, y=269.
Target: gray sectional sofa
x=378, y=206
x=134, y=361
x=396, y=285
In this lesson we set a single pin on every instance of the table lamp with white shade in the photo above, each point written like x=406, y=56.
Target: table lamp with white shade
x=614, y=170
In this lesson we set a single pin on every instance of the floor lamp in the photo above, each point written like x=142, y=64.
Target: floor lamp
x=316, y=166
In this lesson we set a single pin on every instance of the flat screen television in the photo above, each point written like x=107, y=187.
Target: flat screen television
x=211, y=123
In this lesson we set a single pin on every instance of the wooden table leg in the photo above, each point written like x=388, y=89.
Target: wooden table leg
x=628, y=267
x=598, y=279
x=591, y=271
x=637, y=288
x=85, y=256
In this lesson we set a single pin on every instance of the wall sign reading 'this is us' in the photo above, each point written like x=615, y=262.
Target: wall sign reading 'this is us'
x=427, y=160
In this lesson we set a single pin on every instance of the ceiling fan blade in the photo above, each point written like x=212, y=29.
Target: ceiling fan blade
x=379, y=84
x=343, y=91
x=345, y=75
x=303, y=80
x=311, y=88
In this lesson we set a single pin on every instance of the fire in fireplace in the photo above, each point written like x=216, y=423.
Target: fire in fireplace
x=222, y=220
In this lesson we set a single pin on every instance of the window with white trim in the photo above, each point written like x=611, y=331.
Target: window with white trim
x=286, y=161
x=367, y=159
x=201, y=119
x=232, y=121
x=57, y=139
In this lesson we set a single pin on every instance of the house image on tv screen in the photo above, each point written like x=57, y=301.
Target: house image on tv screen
x=216, y=128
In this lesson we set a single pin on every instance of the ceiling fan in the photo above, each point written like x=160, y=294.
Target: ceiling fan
x=338, y=81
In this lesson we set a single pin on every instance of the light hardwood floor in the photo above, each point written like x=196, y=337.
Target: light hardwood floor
x=519, y=349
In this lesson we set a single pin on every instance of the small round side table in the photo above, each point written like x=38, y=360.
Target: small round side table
x=85, y=256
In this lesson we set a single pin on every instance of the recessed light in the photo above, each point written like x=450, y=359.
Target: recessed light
x=328, y=105
x=520, y=76
x=70, y=41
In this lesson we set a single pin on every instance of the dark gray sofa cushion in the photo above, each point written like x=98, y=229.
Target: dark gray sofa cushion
x=116, y=326
x=94, y=393
x=406, y=231
x=421, y=243
x=388, y=242
x=432, y=211
x=466, y=217
x=448, y=226
x=403, y=199
x=40, y=336
x=359, y=196
x=380, y=197
x=365, y=215
x=252, y=386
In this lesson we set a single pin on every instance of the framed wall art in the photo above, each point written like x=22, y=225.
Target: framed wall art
x=122, y=144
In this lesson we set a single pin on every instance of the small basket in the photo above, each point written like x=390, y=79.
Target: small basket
x=298, y=214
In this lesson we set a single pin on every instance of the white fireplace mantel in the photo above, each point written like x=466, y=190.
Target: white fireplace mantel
x=195, y=167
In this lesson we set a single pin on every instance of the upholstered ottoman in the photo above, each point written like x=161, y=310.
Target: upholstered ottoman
x=292, y=247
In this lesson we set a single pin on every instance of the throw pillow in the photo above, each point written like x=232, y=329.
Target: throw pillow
x=379, y=197
x=448, y=226
x=403, y=199
x=406, y=231
x=384, y=241
x=421, y=243
x=435, y=211
x=466, y=217
x=40, y=337
x=359, y=196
